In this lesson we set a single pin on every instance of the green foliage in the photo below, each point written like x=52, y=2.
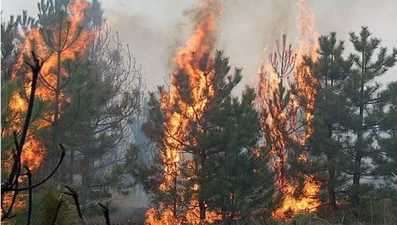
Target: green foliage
x=9, y=40
x=55, y=208
x=354, y=125
x=7, y=89
x=349, y=110
x=50, y=206
x=361, y=91
x=330, y=117
x=237, y=179
x=386, y=111
x=96, y=91
x=220, y=155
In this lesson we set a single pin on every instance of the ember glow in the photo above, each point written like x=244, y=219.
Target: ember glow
x=193, y=60
x=287, y=116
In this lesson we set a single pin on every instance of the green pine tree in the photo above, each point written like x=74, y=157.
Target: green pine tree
x=331, y=71
x=386, y=157
x=361, y=90
x=237, y=179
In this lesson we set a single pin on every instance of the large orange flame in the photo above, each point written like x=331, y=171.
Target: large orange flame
x=200, y=46
x=283, y=117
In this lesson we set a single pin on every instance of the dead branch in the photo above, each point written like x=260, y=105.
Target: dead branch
x=106, y=214
x=13, y=182
x=75, y=197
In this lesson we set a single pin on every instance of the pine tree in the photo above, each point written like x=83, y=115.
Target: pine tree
x=239, y=170
x=361, y=90
x=90, y=89
x=12, y=35
x=104, y=96
x=9, y=50
x=386, y=157
x=275, y=96
x=63, y=37
x=103, y=92
x=331, y=70
x=220, y=156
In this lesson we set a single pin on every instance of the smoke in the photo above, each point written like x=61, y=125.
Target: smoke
x=349, y=16
x=250, y=29
x=151, y=29
x=154, y=29
x=201, y=31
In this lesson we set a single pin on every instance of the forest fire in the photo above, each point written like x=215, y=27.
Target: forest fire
x=192, y=60
x=88, y=120
x=286, y=99
x=63, y=40
x=283, y=113
x=65, y=46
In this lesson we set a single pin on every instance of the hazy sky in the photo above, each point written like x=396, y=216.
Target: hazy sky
x=245, y=28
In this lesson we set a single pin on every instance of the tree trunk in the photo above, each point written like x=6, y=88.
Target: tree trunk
x=202, y=207
x=55, y=122
x=331, y=176
x=331, y=188
x=71, y=167
x=85, y=179
x=355, y=196
x=175, y=200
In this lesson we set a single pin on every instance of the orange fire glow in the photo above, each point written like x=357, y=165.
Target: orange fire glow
x=200, y=45
x=66, y=45
x=304, y=76
x=284, y=116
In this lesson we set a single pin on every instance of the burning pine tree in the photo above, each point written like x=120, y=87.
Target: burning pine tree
x=86, y=92
x=208, y=165
x=67, y=40
x=285, y=99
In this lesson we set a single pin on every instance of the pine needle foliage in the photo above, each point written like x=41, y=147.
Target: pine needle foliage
x=55, y=209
